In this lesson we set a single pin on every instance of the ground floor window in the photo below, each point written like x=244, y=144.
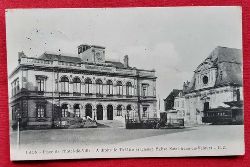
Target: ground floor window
x=65, y=110
x=119, y=110
x=77, y=110
x=40, y=110
x=144, y=112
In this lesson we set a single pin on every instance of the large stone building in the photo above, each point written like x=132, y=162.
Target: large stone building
x=215, y=94
x=53, y=85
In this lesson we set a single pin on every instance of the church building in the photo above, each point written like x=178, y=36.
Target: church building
x=215, y=93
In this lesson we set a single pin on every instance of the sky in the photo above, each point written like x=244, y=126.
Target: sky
x=173, y=41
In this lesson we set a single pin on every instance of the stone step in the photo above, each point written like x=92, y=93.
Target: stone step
x=111, y=123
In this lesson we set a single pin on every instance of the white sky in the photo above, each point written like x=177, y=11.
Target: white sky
x=174, y=41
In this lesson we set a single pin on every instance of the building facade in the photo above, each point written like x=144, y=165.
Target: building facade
x=215, y=93
x=86, y=86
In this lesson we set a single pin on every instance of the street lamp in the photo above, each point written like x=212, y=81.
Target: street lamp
x=19, y=119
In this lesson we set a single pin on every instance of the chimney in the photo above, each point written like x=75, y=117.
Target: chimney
x=20, y=55
x=125, y=59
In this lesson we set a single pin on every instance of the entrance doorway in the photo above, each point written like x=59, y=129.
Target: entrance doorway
x=206, y=106
x=99, y=112
x=110, y=112
x=88, y=110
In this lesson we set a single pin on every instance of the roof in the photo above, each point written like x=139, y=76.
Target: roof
x=74, y=59
x=228, y=62
x=59, y=57
x=173, y=94
x=116, y=64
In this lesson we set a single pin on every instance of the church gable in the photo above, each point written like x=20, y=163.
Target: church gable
x=221, y=68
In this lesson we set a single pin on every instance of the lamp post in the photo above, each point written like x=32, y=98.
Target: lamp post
x=18, y=128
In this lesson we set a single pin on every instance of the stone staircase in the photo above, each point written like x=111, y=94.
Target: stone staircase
x=110, y=124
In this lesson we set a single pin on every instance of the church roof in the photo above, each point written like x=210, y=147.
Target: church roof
x=228, y=62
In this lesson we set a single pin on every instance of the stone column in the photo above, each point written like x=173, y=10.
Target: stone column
x=105, y=114
x=94, y=115
x=82, y=111
x=71, y=110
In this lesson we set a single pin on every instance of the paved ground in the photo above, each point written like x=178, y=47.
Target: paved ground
x=90, y=136
x=196, y=141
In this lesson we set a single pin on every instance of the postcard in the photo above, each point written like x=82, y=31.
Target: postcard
x=125, y=82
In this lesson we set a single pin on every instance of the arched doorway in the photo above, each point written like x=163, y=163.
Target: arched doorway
x=99, y=109
x=110, y=112
x=206, y=106
x=88, y=110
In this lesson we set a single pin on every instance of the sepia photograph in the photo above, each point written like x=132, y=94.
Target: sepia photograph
x=125, y=82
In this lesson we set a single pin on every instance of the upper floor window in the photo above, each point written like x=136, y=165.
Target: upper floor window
x=64, y=84
x=40, y=85
x=15, y=87
x=40, y=81
x=129, y=89
x=144, y=90
x=119, y=88
x=110, y=87
x=76, y=85
x=88, y=86
x=99, y=87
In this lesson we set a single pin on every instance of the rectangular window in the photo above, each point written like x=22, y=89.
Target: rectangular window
x=110, y=89
x=119, y=89
x=12, y=89
x=76, y=87
x=99, y=89
x=15, y=87
x=40, y=111
x=40, y=85
x=144, y=90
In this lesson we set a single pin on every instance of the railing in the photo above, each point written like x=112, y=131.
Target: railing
x=88, y=67
x=69, y=94
x=217, y=119
x=144, y=73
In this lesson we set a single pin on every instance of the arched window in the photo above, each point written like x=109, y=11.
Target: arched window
x=128, y=89
x=77, y=86
x=99, y=87
x=88, y=86
x=119, y=88
x=129, y=108
x=65, y=110
x=119, y=110
x=110, y=87
x=77, y=110
x=64, y=85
